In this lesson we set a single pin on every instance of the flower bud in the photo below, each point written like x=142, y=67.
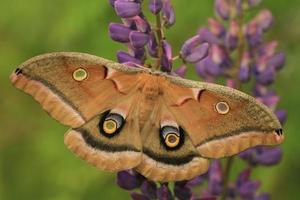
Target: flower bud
x=152, y=46
x=264, y=19
x=222, y=9
x=206, y=35
x=168, y=14
x=231, y=39
x=119, y=32
x=277, y=61
x=155, y=6
x=127, y=9
x=216, y=28
x=193, y=50
x=138, y=39
x=181, y=71
x=124, y=57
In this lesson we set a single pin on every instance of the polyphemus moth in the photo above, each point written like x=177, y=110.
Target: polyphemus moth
x=165, y=127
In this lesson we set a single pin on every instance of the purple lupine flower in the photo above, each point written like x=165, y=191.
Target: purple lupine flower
x=127, y=9
x=264, y=19
x=206, y=35
x=217, y=51
x=216, y=28
x=128, y=180
x=137, y=196
x=152, y=46
x=277, y=61
x=182, y=191
x=231, y=40
x=163, y=193
x=168, y=14
x=119, y=32
x=166, y=61
x=262, y=156
x=244, y=73
x=193, y=50
x=138, y=39
x=148, y=189
x=222, y=9
x=281, y=115
x=181, y=71
x=124, y=57
x=155, y=6
x=253, y=3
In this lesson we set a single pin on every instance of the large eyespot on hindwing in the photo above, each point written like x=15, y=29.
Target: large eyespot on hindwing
x=171, y=137
x=111, y=124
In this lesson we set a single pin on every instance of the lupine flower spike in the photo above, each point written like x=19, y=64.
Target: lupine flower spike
x=230, y=48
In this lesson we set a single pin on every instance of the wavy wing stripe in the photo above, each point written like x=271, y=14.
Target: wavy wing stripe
x=158, y=171
x=102, y=159
x=50, y=99
x=231, y=145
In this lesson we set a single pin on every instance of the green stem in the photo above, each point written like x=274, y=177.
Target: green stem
x=227, y=170
x=160, y=37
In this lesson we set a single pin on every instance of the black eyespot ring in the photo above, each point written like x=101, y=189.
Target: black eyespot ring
x=111, y=124
x=171, y=137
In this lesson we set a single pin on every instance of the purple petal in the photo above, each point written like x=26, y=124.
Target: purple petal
x=136, y=196
x=263, y=196
x=198, y=180
x=248, y=189
x=124, y=57
x=119, y=32
x=243, y=177
x=254, y=34
x=166, y=61
x=207, y=67
x=277, y=61
x=207, y=36
x=193, y=51
x=264, y=19
x=239, y=6
x=138, y=53
x=182, y=192
x=222, y=9
x=267, y=77
x=231, y=39
x=269, y=157
x=260, y=90
x=152, y=46
x=148, y=188
x=281, y=115
x=138, y=39
x=163, y=193
x=127, y=9
x=268, y=49
x=155, y=6
x=168, y=14
x=253, y=3
x=216, y=27
x=141, y=24
x=215, y=178
x=181, y=71
x=128, y=181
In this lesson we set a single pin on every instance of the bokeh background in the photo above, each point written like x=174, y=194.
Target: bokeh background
x=35, y=164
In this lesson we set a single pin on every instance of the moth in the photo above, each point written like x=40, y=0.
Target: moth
x=165, y=127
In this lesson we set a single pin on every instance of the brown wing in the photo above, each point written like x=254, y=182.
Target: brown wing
x=107, y=147
x=74, y=87
x=219, y=120
x=168, y=153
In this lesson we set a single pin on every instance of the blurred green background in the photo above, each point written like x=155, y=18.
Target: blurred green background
x=35, y=164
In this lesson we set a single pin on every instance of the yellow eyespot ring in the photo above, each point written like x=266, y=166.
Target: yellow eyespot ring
x=222, y=108
x=109, y=126
x=80, y=74
x=172, y=140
